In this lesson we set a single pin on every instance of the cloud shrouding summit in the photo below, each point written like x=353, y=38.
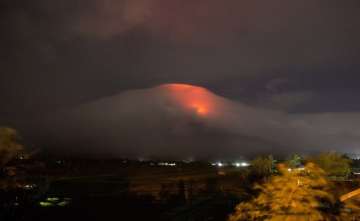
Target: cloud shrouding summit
x=181, y=120
x=300, y=56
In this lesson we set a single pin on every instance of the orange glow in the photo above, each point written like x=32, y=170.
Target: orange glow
x=201, y=110
x=193, y=98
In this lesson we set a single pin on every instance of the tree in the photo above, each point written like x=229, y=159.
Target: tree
x=295, y=161
x=334, y=164
x=9, y=145
x=293, y=195
x=262, y=167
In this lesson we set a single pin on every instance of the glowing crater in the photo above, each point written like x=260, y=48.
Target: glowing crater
x=193, y=98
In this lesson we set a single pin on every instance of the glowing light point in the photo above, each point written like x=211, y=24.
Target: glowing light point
x=200, y=110
x=244, y=164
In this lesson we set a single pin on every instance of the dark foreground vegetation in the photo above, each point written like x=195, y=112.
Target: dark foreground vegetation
x=34, y=187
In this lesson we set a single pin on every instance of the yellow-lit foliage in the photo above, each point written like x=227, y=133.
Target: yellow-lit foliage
x=350, y=211
x=296, y=194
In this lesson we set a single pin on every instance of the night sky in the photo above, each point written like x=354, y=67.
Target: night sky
x=97, y=76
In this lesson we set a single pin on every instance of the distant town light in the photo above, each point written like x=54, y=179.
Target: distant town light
x=241, y=164
x=171, y=164
x=244, y=164
x=52, y=199
x=45, y=204
x=55, y=201
x=29, y=186
x=63, y=203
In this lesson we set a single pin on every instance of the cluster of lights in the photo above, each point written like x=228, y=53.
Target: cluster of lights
x=235, y=164
x=242, y=164
x=166, y=164
x=55, y=201
x=218, y=164
x=29, y=186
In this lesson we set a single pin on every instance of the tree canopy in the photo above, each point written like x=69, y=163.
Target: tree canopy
x=9, y=145
x=262, y=167
x=295, y=161
x=295, y=194
x=334, y=164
